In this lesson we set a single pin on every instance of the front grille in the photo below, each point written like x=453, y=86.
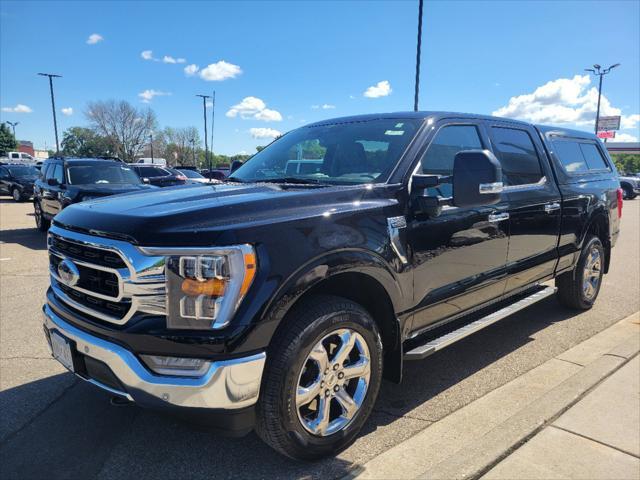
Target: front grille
x=86, y=253
x=98, y=281
x=105, y=287
x=105, y=307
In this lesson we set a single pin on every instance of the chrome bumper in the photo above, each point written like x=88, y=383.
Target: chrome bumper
x=229, y=384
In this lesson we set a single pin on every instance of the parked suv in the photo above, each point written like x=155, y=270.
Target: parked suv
x=64, y=181
x=280, y=299
x=630, y=185
x=17, y=181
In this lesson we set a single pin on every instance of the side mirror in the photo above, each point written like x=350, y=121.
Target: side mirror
x=52, y=182
x=146, y=180
x=477, y=179
x=236, y=164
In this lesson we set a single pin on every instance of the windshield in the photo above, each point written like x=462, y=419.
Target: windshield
x=23, y=171
x=342, y=153
x=102, y=174
x=190, y=174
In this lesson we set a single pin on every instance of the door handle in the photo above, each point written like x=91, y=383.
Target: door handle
x=550, y=207
x=498, y=217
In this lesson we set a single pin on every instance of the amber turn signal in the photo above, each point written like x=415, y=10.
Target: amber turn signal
x=212, y=288
x=249, y=272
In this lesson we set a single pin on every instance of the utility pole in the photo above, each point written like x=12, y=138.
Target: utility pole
x=417, y=92
x=53, y=106
x=597, y=70
x=206, y=146
x=13, y=126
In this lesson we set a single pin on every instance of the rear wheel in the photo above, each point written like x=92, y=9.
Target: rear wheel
x=41, y=223
x=579, y=288
x=17, y=196
x=322, y=378
x=627, y=192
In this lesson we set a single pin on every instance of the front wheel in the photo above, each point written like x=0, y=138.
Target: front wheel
x=627, y=193
x=17, y=196
x=41, y=223
x=322, y=378
x=579, y=288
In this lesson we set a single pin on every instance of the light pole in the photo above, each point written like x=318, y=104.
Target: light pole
x=599, y=71
x=415, y=99
x=206, y=146
x=53, y=106
x=13, y=126
x=213, y=119
x=151, y=144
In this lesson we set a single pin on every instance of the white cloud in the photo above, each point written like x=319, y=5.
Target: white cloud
x=325, y=106
x=94, y=38
x=380, y=89
x=628, y=122
x=170, y=59
x=624, y=137
x=242, y=152
x=147, y=55
x=254, y=107
x=149, y=94
x=68, y=111
x=264, y=133
x=219, y=71
x=564, y=101
x=191, y=70
x=19, y=108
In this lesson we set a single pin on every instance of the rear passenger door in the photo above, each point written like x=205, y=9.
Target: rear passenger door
x=534, y=203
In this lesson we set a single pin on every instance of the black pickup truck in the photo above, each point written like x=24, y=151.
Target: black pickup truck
x=280, y=299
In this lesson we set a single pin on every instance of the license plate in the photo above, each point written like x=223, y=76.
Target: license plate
x=62, y=350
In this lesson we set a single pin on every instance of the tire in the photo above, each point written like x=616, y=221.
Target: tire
x=573, y=290
x=17, y=196
x=312, y=327
x=42, y=223
x=627, y=193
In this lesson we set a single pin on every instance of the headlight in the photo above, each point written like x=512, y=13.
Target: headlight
x=204, y=289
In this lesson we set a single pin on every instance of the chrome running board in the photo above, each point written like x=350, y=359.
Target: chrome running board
x=422, y=351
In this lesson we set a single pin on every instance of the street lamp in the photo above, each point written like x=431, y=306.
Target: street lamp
x=53, y=106
x=13, y=126
x=206, y=145
x=597, y=70
x=415, y=98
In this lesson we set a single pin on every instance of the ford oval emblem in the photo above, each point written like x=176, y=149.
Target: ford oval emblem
x=68, y=272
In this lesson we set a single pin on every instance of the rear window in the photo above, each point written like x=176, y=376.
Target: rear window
x=578, y=157
x=152, y=172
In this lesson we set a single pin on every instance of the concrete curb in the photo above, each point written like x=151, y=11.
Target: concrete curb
x=470, y=441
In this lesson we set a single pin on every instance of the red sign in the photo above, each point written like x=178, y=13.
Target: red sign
x=606, y=134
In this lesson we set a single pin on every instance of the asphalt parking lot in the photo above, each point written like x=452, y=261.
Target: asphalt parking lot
x=56, y=426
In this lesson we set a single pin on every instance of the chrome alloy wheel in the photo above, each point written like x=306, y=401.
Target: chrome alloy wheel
x=592, y=273
x=16, y=195
x=333, y=382
x=38, y=214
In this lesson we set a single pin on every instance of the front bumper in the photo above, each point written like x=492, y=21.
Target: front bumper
x=228, y=384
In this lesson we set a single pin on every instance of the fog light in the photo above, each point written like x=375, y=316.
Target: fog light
x=177, y=366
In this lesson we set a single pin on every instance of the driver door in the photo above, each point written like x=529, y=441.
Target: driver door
x=458, y=257
x=52, y=194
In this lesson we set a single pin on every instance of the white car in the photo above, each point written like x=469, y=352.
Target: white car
x=18, y=157
x=153, y=161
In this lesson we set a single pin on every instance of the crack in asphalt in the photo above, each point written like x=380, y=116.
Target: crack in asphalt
x=13, y=434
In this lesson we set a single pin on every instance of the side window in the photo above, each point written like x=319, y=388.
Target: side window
x=517, y=154
x=593, y=157
x=570, y=156
x=4, y=173
x=58, y=173
x=438, y=159
x=49, y=171
x=15, y=155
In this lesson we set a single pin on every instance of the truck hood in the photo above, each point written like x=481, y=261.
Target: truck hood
x=213, y=214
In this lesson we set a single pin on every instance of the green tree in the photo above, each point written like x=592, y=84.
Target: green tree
x=626, y=162
x=84, y=142
x=8, y=142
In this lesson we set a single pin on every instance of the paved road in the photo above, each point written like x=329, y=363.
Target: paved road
x=55, y=426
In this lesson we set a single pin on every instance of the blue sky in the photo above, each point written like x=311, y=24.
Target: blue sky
x=283, y=64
